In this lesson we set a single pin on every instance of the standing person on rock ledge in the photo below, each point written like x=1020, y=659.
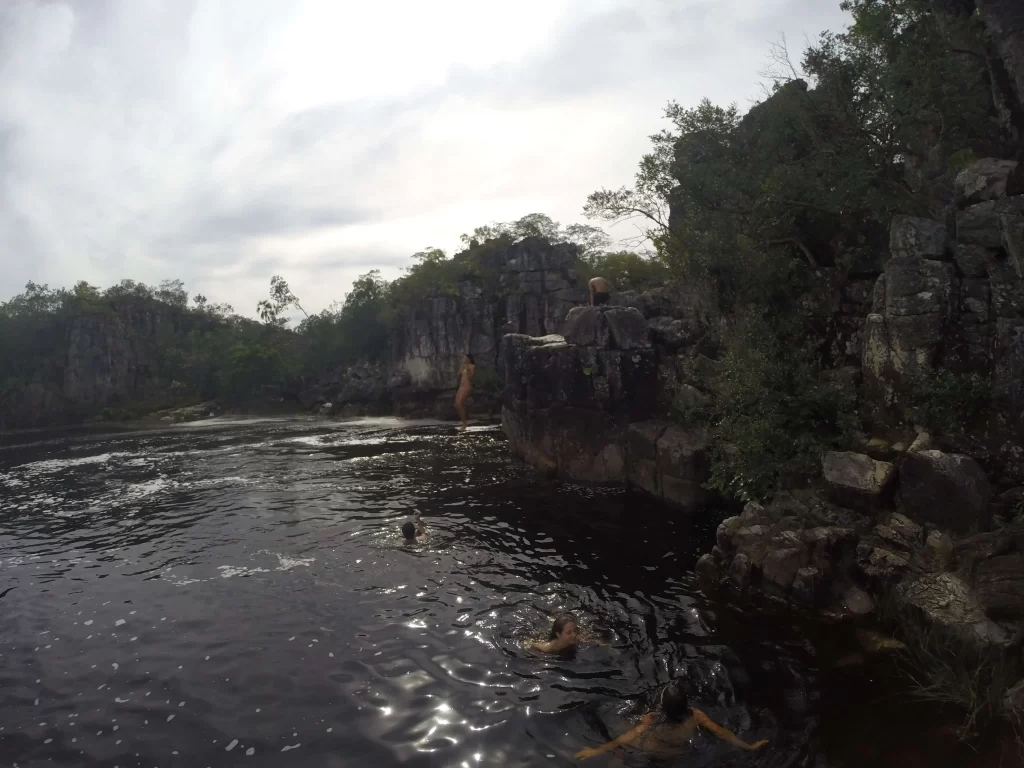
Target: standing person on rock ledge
x=600, y=291
x=466, y=373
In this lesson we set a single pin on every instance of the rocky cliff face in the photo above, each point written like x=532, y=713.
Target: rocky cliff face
x=585, y=404
x=954, y=299
x=526, y=288
x=97, y=359
x=936, y=531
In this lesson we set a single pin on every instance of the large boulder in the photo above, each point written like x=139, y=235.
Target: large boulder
x=983, y=180
x=606, y=327
x=912, y=306
x=983, y=223
x=946, y=490
x=920, y=238
x=999, y=583
x=781, y=566
x=946, y=600
x=856, y=480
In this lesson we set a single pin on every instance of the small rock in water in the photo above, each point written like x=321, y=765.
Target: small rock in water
x=876, y=642
x=232, y=745
x=250, y=751
x=858, y=601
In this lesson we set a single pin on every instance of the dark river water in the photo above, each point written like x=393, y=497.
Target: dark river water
x=237, y=593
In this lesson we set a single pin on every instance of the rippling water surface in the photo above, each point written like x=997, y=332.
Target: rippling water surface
x=237, y=593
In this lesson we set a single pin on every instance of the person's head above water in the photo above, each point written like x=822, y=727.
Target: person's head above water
x=409, y=531
x=564, y=628
x=674, y=704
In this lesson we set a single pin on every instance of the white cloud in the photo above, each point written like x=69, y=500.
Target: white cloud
x=223, y=142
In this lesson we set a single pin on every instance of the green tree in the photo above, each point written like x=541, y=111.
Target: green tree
x=626, y=270
x=281, y=298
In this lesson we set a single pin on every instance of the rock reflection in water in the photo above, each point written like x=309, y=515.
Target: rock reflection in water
x=223, y=594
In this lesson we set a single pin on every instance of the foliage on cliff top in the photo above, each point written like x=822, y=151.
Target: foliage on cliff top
x=815, y=173
x=434, y=273
x=875, y=121
x=198, y=350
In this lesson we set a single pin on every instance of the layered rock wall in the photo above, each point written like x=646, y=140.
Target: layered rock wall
x=953, y=298
x=90, y=362
x=584, y=405
x=527, y=288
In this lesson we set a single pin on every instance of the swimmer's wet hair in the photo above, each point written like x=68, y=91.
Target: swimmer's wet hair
x=561, y=623
x=470, y=358
x=409, y=530
x=673, y=701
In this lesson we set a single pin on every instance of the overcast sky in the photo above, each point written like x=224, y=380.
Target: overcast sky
x=222, y=142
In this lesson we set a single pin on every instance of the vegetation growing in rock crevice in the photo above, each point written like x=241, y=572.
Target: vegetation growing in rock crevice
x=875, y=121
x=772, y=412
x=945, y=667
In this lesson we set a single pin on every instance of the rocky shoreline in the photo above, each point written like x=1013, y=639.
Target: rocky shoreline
x=932, y=527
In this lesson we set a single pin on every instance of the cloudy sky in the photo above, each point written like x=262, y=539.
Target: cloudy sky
x=224, y=141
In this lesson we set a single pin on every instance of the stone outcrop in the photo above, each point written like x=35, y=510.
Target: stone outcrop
x=567, y=407
x=911, y=309
x=804, y=548
x=525, y=288
x=206, y=410
x=582, y=403
x=945, y=490
x=984, y=179
x=954, y=302
x=789, y=549
x=946, y=600
x=857, y=479
x=360, y=389
x=828, y=549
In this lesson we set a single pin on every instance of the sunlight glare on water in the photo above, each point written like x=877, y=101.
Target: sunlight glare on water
x=239, y=589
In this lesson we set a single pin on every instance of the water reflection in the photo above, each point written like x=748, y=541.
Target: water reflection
x=232, y=591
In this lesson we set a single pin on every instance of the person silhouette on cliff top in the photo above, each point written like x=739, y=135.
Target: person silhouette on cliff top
x=600, y=291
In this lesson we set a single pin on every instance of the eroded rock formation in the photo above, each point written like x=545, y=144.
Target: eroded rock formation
x=526, y=288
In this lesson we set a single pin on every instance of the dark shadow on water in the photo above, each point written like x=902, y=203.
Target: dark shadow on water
x=238, y=593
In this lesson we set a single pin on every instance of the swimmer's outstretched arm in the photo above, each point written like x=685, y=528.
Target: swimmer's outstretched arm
x=627, y=738
x=421, y=529
x=724, y=733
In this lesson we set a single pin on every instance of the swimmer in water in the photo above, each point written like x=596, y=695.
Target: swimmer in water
x=414, y=531
x=564, y=635
x=670, y=728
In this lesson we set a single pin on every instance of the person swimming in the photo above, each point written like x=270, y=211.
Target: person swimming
x=413, y=531
x=668, y=728
x=563, y=636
